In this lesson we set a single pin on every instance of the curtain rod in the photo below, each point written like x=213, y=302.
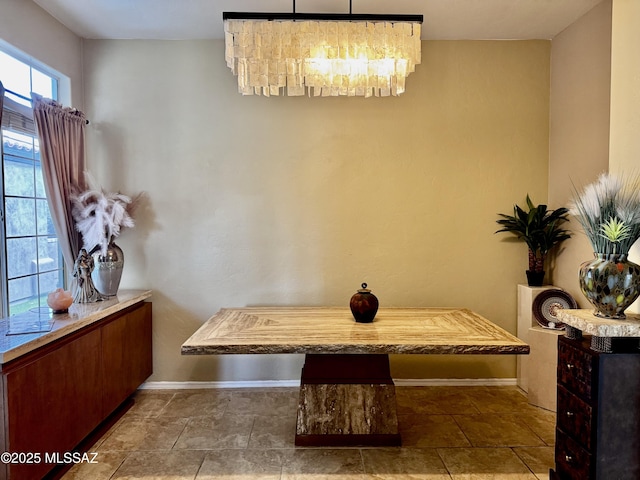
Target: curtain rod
x=6, y=90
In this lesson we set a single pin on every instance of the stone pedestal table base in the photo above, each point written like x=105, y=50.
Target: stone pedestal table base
x=347, y=400
x=347, y=396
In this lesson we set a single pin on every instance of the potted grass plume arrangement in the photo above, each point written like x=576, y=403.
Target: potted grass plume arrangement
x=609, y=212
x=541, y=229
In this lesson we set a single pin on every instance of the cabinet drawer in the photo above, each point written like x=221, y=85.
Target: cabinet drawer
x=571, y=459
x=575, y=368
x=574, y=417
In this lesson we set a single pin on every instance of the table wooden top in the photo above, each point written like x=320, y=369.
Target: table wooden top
x=333, y=330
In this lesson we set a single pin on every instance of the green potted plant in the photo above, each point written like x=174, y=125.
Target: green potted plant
x=541, y=230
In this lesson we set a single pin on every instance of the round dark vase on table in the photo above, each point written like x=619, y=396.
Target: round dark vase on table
x=107, y=270
x=364, y=305
x=611, y=283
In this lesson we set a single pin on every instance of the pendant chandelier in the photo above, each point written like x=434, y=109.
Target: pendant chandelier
x=321, y=54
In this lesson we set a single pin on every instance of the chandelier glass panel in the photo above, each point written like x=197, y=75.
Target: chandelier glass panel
x=322, y=55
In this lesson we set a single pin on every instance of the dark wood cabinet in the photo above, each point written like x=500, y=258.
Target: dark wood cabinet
x=126, y=356
x=55, y=396
x=598, y=412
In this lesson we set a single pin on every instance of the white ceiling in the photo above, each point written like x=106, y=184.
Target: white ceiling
x=202, y=19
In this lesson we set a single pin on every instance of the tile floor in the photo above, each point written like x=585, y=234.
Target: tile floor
x=448, y=433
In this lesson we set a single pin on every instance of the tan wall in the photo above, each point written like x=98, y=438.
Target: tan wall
x=26, y=26
x=624, y=151
x=579, y=127
x=296, y=201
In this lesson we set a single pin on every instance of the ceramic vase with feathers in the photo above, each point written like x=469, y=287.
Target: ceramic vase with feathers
x=99, y=217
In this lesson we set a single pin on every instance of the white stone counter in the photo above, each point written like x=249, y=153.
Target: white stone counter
x=56, y=326
x=589, y=324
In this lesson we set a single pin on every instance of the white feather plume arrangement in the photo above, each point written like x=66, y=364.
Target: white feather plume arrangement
x=100, y=215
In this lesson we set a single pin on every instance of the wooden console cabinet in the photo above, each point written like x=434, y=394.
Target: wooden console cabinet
x=598, y=411
x=54, y=396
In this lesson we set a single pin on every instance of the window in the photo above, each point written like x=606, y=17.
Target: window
x=32, y=264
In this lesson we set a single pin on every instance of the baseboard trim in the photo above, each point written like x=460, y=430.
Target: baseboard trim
x=400, y=382
x=455, y=382
x=238, y=384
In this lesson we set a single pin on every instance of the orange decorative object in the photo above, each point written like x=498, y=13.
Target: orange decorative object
x=59, y=300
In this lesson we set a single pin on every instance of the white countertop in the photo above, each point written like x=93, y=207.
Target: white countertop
x=589, y=324
x=58, y=325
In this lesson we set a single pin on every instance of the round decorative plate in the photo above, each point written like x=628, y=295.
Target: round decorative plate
x=546, y=306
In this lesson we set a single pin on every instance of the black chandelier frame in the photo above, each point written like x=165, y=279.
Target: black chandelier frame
x=339, y=17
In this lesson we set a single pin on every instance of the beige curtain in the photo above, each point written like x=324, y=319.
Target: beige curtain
x=61, y=136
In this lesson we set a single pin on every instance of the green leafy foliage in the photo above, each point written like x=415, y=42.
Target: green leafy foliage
x=615, y=230
x=539, y=227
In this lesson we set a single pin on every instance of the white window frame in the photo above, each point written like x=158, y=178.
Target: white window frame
x=62, y=90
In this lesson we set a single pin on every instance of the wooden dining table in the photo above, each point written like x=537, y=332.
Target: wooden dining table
x=347, y=395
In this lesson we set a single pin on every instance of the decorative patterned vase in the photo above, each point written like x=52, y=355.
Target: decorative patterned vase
x=364, y=305
x=611, y=283
x=108, y=270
